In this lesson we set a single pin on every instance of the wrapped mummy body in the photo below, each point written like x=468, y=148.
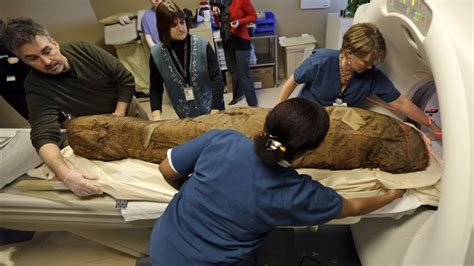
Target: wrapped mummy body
x=356, y=139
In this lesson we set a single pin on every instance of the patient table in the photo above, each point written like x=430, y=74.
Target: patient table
x=125, y=224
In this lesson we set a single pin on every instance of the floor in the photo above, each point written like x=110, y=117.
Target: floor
x=330, y=245
x=61, y=249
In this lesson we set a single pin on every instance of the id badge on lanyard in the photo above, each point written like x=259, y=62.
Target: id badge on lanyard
x=11, y=78
x=339, y=102
x=188, y=93
x=188, y=90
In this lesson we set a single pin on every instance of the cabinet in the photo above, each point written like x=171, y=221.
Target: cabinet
x=266, y=52
x=336, y=27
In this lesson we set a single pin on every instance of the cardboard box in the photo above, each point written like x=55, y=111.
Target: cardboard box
x=262, y=77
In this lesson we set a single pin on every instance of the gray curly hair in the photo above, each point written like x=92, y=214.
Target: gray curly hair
x=20, y=31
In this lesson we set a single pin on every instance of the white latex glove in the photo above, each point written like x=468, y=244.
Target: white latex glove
x=124, y=20
x=81, y=184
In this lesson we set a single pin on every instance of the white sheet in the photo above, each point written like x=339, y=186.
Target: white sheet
x=140, y=210
x=425, y=185
x=142, y=184
x=129, y=179
x=143, y=210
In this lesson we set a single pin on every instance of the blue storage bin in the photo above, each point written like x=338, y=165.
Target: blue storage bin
x=266, y=25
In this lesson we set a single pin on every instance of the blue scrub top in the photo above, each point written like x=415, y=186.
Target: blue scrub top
x=231, y=201
x=321, y=74
x=148, y=25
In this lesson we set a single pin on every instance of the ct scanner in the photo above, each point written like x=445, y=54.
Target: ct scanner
x=429, y=59
x=429, y=41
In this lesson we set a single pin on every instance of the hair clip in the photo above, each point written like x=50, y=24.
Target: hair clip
x=282, y=148
x=271, y=143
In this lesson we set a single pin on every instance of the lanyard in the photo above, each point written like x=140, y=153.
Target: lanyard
x=184, y=70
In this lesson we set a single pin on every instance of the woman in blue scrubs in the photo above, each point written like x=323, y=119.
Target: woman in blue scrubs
x=346, y=77
x=234, y=190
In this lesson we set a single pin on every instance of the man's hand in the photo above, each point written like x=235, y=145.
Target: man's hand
x=81, y=184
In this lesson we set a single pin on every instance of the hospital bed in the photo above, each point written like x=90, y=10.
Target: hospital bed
x=428, y=42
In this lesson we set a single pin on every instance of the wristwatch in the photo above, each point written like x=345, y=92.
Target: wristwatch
x=62, y=116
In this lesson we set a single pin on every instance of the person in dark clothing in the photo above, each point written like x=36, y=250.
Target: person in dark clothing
x=13, y=73
x=233, y=17
x=186, y=64
x=76, y=78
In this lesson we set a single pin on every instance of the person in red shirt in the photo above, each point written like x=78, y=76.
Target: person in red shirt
x=233, y=16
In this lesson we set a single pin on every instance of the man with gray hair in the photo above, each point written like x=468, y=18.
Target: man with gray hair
x=73, y=80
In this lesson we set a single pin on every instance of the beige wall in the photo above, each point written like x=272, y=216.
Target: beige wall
x=291, y=20
x=72, y=20
x=2, y=10
x=66, y=20
x=104, y=8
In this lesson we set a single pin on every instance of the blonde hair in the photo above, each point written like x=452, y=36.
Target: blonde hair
x=363, y=39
